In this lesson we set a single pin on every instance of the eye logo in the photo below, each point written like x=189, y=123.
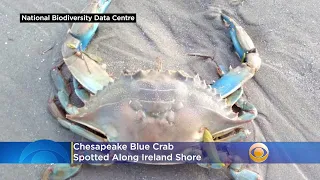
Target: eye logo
x=44, y=151
x=258, y=152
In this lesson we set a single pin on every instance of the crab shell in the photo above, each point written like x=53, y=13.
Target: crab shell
x=158, y=106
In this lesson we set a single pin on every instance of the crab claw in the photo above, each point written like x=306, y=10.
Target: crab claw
x=248, y=54
x=242, y=43
x=85, y=31
x=238, y=172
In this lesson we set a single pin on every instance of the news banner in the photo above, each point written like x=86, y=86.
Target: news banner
x=47, y=151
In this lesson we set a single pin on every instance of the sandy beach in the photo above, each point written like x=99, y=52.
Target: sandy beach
x=286, y=89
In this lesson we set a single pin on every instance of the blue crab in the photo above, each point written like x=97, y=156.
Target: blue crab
x=151, y=105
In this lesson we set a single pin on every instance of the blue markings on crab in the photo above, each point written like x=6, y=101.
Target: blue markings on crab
x=247, y=52
x=233, y=80
x=58, y=80
x=85, y=33
x=81, y=93
x=233, y=34
x=235, y=96
x=248, y=110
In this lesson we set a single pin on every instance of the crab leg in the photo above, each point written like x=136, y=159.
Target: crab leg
x=63, y=91
x=63, y=98
x=249, y=111
x=238, y=171
x=77, y=41
x=83, y=94
x=83, y=68
x=85, y=31
x=248, y=54
x=211, y=151
x=236, y=95
x=65, y=171
x=82, y=65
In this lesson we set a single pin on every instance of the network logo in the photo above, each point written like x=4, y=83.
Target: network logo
x=45, y=151
x=258, y=152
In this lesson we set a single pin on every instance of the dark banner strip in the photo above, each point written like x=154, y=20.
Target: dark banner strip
x=77, y=18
